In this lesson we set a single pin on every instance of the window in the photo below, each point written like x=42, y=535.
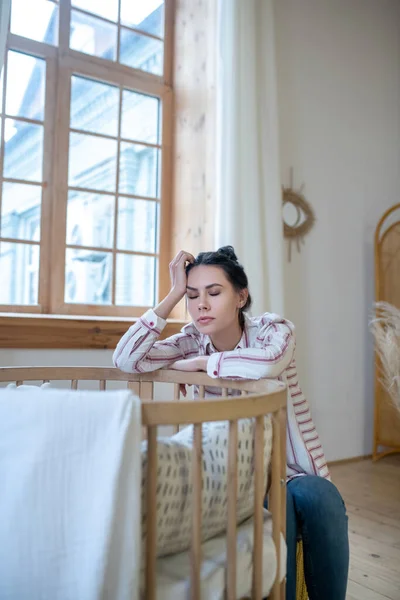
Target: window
x=85, y=100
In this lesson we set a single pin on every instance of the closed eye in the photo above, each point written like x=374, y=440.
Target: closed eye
x=192, y=297
x=215, y=294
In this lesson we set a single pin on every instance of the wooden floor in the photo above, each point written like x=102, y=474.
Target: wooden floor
x=372, y=495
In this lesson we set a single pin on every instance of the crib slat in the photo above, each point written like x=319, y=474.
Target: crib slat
x=102, y=385
x=282, y=425
x=196, y=519
x=134, y=387
x=202, y=390
x=151, y=518
x=146, y=390
x=258, y=507
x=232, y=502
x=176, y=397
x=243, y=393
x=74, y=384
x=282, y=433
x=224, y=391
x=275, y=500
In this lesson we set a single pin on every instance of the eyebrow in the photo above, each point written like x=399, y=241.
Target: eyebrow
x=192, y=289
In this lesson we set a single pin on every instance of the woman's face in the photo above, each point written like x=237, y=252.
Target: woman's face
x=213, y=302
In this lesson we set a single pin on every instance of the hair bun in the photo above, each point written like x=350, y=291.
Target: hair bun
x=229, y=252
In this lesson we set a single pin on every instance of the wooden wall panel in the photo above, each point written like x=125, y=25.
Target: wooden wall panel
x=194, y=178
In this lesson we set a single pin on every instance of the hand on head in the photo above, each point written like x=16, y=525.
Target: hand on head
x=177, y=272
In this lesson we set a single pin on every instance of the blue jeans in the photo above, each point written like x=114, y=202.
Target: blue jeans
x=316, y=512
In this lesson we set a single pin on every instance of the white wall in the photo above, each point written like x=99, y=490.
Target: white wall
x=339, y=102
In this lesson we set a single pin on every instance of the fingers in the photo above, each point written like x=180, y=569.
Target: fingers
x=182, y=256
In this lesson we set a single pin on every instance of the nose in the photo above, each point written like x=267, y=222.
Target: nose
x=203, y=304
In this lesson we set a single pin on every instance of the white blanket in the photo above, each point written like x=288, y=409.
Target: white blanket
x=69, y=495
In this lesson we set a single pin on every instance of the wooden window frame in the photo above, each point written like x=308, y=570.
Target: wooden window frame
x=62, y=331
x=61, y=62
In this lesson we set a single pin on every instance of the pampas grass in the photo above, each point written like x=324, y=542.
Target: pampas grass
x=385, y=327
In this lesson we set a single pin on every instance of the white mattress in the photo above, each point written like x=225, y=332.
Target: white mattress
x=173, y=572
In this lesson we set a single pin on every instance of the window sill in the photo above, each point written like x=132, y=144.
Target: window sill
x=21, y=330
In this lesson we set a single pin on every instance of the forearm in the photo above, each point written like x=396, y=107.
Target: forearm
x=138, y=341
x=165, y=307
x=198, y=363
x=251, y=363
x=140, y=349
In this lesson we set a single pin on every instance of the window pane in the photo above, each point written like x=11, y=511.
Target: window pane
x=35, y=19
x=138, y=170
x=107, y=9
x=147, y=16
x=140, y=117
x=137, y=224
x=94, y=106
x=26, y=86
x=135, y=280
x=19, y=268
x=90, y=219
x=88, y=277
x=93, y=36
x=141, y=52
x=23, y=156
x=20, y=211
x=92, y=162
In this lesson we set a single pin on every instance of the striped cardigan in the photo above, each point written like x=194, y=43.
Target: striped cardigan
x=266, y=350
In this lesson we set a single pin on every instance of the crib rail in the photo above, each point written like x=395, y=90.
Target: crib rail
x=256, y=399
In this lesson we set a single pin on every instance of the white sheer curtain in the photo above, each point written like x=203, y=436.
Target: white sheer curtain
x=5, y=8
x=249, y=212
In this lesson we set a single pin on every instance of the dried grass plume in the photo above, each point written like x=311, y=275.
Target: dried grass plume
x=385, y=327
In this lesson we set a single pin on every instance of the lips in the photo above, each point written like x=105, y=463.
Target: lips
x=205, y=320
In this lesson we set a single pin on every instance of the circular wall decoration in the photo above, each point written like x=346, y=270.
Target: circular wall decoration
x=298, y=215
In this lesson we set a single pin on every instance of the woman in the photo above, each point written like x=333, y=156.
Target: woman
x=223, y=341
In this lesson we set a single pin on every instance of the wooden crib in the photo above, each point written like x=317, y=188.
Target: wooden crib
x=258, y=398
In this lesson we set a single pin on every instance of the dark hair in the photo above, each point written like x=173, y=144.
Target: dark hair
x=226, y=259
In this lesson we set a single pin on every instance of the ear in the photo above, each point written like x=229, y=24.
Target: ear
x=243, y=295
